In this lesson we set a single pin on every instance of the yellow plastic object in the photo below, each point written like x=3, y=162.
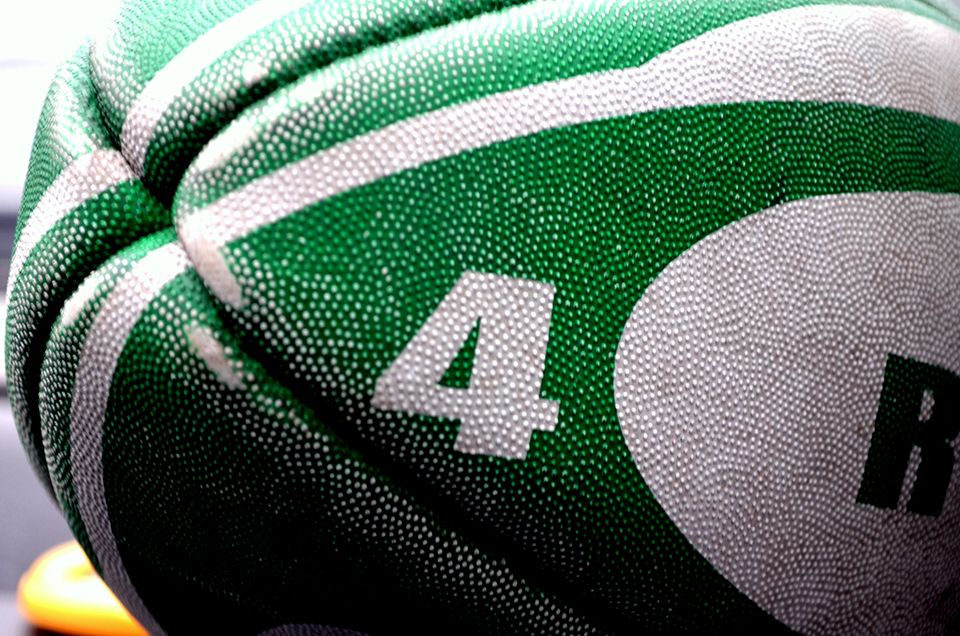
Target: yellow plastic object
x=61, y=592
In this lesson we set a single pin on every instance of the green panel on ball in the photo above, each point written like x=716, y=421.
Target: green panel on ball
x=502, y=317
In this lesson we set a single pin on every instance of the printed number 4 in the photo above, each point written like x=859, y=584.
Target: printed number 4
x=502, y=407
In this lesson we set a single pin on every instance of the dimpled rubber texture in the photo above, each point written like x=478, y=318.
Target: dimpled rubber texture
x=563, y=317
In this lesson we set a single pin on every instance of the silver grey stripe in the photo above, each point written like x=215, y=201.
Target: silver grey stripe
x=862, y=55
x=101, y=350
x=86, y=177
x=141, y=122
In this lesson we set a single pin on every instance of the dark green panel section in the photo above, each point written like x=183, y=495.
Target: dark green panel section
x=236, y=509
x=60, y=358
x=460, y=371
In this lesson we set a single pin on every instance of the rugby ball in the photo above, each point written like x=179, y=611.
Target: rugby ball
x=483, y=316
